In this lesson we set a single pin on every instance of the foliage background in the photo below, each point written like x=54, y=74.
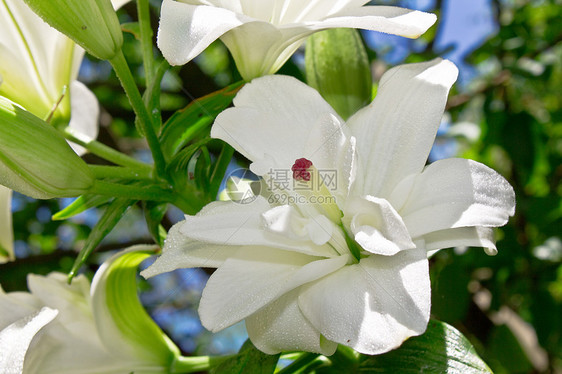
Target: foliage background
x=505, y=111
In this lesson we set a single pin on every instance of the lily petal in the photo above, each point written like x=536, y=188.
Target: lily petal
x=388, y=302
x=84, y=115
x=281, y=326
x=6, y=232
x=227, y=223
x=182, y=252
x=455, y=193
x=387, y=19
x=275, y=116
x=462, y=236
x=396, y=131
x=16, y=338
x=377, y=227
x=186, y=30
x=254, y=277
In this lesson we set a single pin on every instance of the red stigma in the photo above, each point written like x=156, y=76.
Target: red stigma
x=300, y=169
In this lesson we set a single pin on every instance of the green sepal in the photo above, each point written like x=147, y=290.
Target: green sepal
x=194, y=119
x=441, y=349
x=154, y=213
x=110, y=217
x=35, y=159
x=118, y=308
x=248, y=360
x=79, y=205
x=92, y=24
x=338, y=67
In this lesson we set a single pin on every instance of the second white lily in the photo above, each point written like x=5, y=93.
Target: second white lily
x=262, y=35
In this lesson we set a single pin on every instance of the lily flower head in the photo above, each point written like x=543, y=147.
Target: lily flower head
x=38, y=71
x=262, y=35
x=63, y=329
x=334, y=249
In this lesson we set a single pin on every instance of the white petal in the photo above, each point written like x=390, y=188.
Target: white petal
x=387, y=19
x=395, y=132
x=84, y=115
x=259, y=48
x=454, y=193
x=275, y=116
x=372, y=306
x=181, y=252
x=228, y=223
x=376, y=226
x=119, y=3
x=285, y=220
x=461, y=237
x=16, y=338
x=186, y=30
x=254, y=277
x=6, y=232
x=281, y=326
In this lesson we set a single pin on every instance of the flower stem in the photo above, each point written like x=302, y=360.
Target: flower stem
x=102, y=171
x=183, y=364
x=105, y=152
x=131, y=192
x=128, y=82
x=143, y=10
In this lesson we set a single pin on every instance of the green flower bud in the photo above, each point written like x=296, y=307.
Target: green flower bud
x=92, y=24
x=35, y=159
x=337, y=66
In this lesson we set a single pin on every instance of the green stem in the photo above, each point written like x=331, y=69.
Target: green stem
x=304, y=360
x=183, y=364
x=102, y=171
x=105, y=152
x=143, y=9
x=128, y=82
x=153, y=193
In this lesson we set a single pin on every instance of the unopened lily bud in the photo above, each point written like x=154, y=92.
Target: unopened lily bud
x=337, y=66
x=92, y=24
x=35, y=159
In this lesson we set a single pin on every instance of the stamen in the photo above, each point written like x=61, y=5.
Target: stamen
x=300, y=169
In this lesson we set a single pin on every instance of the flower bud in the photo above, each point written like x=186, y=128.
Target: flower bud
x=338, y=67
x=92, y=24
x=35, y=159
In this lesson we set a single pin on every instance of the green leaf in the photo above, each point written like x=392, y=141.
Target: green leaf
x=248, y=360
x=187, y=123
x=81, y=204
x=107, y=222
x=441, y=349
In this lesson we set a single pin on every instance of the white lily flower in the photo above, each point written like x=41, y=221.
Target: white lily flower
x=59, y=328
x=38, y=71
x=263, y=34
x=342, y=262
